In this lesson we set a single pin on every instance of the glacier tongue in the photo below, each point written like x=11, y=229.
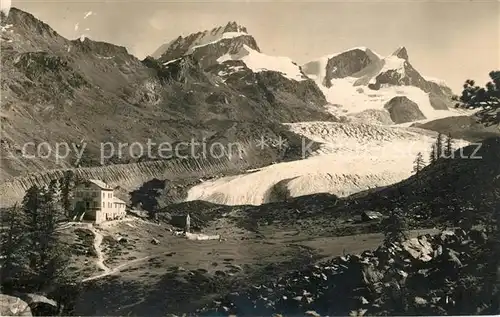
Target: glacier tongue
x=352, y=157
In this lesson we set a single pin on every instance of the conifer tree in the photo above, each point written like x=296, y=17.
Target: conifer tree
x=395, y=227
x=493, y=280
x=418, y=164
x=46, y=256
x=448, y=149
x=486, y=99
x=432, y=154
x=437, y=149
x=55, y=199
x=13, y=250
x=67, y=185
x=439, y=146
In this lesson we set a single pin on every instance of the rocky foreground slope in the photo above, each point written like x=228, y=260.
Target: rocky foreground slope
x=286, y=257
x=428, y=275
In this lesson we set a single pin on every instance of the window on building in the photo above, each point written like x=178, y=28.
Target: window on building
x=103, y=195
x=109, y=205
x=94, y=194
x=110, y=195
x=103, y=204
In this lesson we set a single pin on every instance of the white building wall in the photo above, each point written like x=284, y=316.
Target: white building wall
x=107, y=204
x=119, y=211
x=102, y=204
x=90, y=195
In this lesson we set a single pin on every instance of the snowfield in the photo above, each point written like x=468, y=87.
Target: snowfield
x=393, y=63
x=356, y=99
x=259, y=62
x=352, y=158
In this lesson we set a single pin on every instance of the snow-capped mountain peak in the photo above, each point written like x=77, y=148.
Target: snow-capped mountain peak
x=186, y=45
x=401, y=52
x=360, y=80
x=341, y=64
x=232, y=44
x=234, y=27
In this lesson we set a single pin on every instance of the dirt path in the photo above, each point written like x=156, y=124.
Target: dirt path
x=98, y=250
x=120, y=267
x=97, y=245
x=98, y=237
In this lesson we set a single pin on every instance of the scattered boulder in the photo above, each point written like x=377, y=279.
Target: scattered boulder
x=418, y=249
x=371, y=215
x=371, y=275
x=453, y=258
x=420, y=301
x=478, y=235
x=425, y=268
x=155, y=241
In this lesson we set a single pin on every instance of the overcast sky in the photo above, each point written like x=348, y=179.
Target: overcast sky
x=452, y=40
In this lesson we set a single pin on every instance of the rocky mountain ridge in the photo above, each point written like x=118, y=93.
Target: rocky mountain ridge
x=223, y=46
x=60, y=90
x=184, y=45
x=361, y=76
x=215, y=85
x=358, y=80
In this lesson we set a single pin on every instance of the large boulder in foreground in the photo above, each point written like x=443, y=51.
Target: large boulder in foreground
x=403, y=110
x=13, y=306
x=40, y=305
